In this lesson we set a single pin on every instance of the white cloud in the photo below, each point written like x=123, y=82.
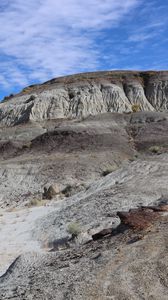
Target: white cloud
x=140, y=37
x=47, y=38
x=152, y=23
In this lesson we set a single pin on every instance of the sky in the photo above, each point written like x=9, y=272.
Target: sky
x=44, y=39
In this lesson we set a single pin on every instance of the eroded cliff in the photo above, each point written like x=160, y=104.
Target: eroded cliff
x=86, y=94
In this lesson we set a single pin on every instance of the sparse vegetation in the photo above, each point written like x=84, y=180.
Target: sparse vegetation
x=155, y=149
x=6, y=98
x=108, y=170
x=10, y=111
x=74, y=229
x=136, y=107
x=27, y=145
x=36, y=202
x=26, y=90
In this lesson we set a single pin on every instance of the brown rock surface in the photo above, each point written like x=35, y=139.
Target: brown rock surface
x=139, y=219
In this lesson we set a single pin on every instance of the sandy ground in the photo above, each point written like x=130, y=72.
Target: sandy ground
x=15, y=233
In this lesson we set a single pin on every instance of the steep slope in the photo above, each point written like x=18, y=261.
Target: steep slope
x=66, y=153
x=84, y=94
x=73, y=153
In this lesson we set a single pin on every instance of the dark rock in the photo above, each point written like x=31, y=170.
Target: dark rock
x=101, y=234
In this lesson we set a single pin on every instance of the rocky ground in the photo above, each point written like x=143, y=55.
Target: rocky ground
x=84, y=202
x=128, y=263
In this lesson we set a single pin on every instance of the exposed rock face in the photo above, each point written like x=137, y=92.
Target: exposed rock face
x=84, y=94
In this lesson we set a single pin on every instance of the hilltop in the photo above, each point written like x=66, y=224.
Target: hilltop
x=86, y=94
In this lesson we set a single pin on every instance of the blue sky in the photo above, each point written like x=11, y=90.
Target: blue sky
x=43, y=39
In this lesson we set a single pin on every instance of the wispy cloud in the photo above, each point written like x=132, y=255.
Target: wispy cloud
x=140, y=37
x=151, y=22
x=40, y=39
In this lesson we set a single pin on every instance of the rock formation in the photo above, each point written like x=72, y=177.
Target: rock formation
x=87, y=94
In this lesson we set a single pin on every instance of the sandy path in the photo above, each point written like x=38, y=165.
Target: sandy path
x=15, y=233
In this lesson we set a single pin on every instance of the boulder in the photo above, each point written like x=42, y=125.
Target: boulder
x=51, y=191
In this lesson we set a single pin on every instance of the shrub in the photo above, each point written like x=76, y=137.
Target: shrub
x=6, y=98
x=26, y=146
x=109, y=170
x=136, y=107
x=74, y=229
x=36, y=202
x=155, y=149
x=27, y=89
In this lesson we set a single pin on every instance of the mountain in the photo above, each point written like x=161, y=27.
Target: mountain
x=83, y=181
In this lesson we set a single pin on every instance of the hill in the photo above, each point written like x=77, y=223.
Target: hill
x=83, y=180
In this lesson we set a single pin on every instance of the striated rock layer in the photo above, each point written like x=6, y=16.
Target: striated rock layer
x=80, y=95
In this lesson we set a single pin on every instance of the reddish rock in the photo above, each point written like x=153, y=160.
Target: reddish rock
x=140, y=218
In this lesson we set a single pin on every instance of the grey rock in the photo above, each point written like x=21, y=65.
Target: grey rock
x=87, y=94
x=51, y=191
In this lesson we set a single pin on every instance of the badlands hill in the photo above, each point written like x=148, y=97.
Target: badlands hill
x=83, y=181
x=84, y=94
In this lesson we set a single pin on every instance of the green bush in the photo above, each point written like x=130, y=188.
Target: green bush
x=74, y=229
x=109, y=170
x=36, y=202
x=136, y=107
x=155, y=149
